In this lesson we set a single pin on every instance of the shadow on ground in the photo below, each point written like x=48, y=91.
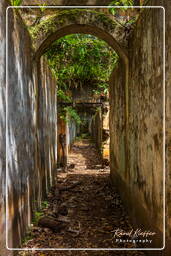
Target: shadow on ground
x=87, y=206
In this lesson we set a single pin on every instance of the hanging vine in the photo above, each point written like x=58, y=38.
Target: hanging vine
x=77, y=60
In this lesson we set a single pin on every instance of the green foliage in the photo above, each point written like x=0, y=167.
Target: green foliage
x=83, y=136
x=62, y=96
x=122, y=3
x=131, y=18
x=27, y=237
x=125, y=3
x=102, y=87
x=43, y=7
x=16, y=2
x=79, y=60
x=44, y=204
x=38, y=214
x=69, y=113
x=50, y=24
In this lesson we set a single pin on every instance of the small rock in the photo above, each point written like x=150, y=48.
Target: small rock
x=53, y=224
x=71, y=166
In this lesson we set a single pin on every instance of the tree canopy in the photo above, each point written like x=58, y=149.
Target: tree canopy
x=78, y=59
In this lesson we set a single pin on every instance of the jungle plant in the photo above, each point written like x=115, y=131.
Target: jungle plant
x=16, y=2
x=69, y=113
x=62, y=96
x=43, y=7
x=79, y=60
x=125, y=10
x=37, y=216
x=39, y=213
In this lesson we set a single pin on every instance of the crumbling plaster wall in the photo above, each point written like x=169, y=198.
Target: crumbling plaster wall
x=96, y=127
x=2, y=127
x=31, y=129
x=167, y=6
x=99, y=130
x=137, y=146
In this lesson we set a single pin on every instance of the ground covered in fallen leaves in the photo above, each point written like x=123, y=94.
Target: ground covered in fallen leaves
x=83, y=210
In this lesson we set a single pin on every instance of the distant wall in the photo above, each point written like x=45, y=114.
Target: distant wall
x=136, y=146
x=96, y=129
x=61, y=130
x=99, y=129
x=105, y=131
x=31, y=131
x=72, y=133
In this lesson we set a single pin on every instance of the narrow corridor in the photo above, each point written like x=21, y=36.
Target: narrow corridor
x=85, y=209
x=69, y=73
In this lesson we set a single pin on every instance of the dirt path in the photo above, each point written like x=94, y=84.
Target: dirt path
x=87, y=208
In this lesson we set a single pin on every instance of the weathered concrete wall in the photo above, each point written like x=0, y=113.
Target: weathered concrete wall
x=167, y=6
x=67, y=132
x=20, y=130
x=70, y=2
x=117, y=121
x=99, y=129
x=72, y=133
x=96, y=129
x=61, y=152
x=105, y=131
x=31, y=130
x=47, y=126
x=2, y=127
x=136, y=148
x=146, y=114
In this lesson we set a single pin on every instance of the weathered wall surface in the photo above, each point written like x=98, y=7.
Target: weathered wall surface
x=46, y=126
x=136, y=149
x=72, y=133
x=20, y=129
x=31, y=147
x=105, y=131
x=167, y=6
x=99, y=129
x=96, y=129
x=70, y=2
x=146, y=172
x=2, y=127
x=117, y=121
x=61, y=152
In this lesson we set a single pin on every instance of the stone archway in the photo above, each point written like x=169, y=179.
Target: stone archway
x=80, y=21
x=85, y=21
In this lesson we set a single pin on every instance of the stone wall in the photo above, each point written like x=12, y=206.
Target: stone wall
x=72, y=133
x=137, y=142
x=99, y=130
x=67, y=131
x=62, y=152
x=105, y=131
x=117, y=121
x=70, y=2
x=2, y=126
x=167, y=6
x=31, y=130
x=96, y=126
